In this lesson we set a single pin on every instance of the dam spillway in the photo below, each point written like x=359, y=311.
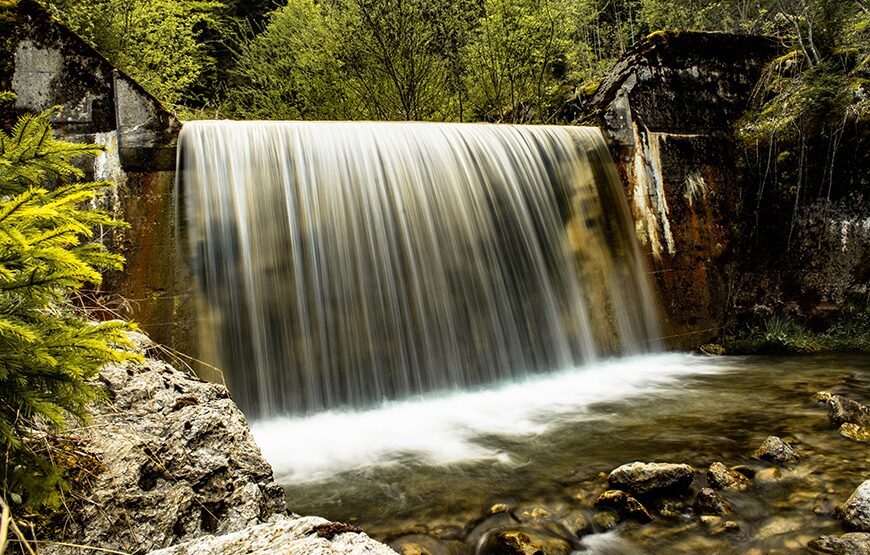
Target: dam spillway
x=339, y=264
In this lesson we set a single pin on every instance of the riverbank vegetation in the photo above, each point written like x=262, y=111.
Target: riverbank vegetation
x=51, y=350
x=846, y=331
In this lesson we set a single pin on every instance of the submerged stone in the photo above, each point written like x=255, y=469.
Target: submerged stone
x=777, y=526
x=769, y=475
x=419, y=544
x=652, y=478
x=577, y=524
x=729, y=526
x=775, y=450
x=523, y=542
x=606, y=520
x=533, y=514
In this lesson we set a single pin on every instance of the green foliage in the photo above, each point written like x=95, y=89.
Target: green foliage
x=515, y=60
x=292, y=69
x=808, y=110
x=162, y=44
x=849, y=331
x=494, y=60
x=50, y=351
x=392, y=60
x=821, y=81
x=743, y=16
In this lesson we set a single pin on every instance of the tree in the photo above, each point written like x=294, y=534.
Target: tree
x=292, y=69
x=391, y=58
x=516, y=60
x=736, y=16
x=50, y=351
x=160, y=43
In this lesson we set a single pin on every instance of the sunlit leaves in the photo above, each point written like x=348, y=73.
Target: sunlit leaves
x=49, y=351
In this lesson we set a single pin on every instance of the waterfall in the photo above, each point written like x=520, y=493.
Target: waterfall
x=338, y=264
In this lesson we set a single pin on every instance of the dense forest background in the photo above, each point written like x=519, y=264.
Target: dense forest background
x=454, y=60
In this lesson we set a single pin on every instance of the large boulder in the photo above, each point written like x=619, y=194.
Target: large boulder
x=175, y=462
x=647, y=479
x=856, y=543
x=286, y=535
x=855, y=512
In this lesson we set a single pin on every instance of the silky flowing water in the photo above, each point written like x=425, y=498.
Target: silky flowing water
x=342, y=263
x=437, y=464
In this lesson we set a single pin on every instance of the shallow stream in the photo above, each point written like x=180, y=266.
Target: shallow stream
x=434, y=466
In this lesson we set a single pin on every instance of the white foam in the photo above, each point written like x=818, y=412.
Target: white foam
x=441, y=429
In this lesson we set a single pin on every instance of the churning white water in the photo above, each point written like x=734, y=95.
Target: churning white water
x=340, y=264
x=452, y=428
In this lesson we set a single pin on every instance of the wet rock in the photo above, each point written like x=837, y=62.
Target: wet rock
x=712, y=349
x=652, y=478
x=728, y=527
x=855, y=543
x=855, y=512
x=723, y=478
x=842, y=410
x=419, y=544
x=775, y=450
x=498, y=508
x=174, y=469
x=710, y=520
x=854, y=431
x=523, y=542
x=282, y=534
x=624, y=505
x=824, y=505
x=670, y=508
x=709, y=502
x=489, y=525
x=447, y=532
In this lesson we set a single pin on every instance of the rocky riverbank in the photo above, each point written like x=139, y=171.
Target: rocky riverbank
x=171, y=461
x=173, y=470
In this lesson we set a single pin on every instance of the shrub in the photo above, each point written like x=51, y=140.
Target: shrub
x=50, y=351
